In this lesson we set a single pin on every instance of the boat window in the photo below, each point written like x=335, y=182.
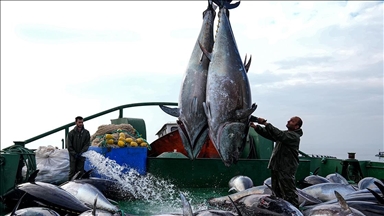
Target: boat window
x=173, y=128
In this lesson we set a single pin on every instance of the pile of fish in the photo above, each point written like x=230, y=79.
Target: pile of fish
x=325, y=198
x=328, y=196
x=73, y=197
x=215, y=97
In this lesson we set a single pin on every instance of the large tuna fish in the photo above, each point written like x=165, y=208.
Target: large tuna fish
x=87, y=194
x=34, y=211
x=52, y=196
x=228, y=103
x=46, y=195
x=341, y=208
x=31, y=210
x=325, y=191
x=192, y=121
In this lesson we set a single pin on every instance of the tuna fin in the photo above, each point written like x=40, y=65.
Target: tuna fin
x=113, y=202
x=237, y=209
x=76, y=176
x=380, y=186
x=205, y=51
x=187, y=210
x=303, y=203
x=32, y=177
x=377, y=196
x=316, y=171
x=171, y=111
x=86, y=175
x=94, y=205
x=41, y=204
x=247, y=64
x=17, y=205
x=342, y=202
x=245, y=113
x=207, y=110
x=270, y=188
x=232, y=189
x=307, y=198
x=194, y=105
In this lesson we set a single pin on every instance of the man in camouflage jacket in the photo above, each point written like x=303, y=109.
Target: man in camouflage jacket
x=285, y=156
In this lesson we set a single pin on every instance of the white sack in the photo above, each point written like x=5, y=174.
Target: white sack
x=52, y=163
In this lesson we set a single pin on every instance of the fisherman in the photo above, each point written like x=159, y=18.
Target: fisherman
x=78, y=143
x=285, y=156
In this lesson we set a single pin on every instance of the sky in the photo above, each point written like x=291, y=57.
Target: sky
x=322, y=61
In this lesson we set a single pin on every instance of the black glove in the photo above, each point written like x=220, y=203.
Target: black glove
x=77, y=156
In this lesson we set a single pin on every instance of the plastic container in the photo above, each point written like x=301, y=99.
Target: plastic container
x=132, y=157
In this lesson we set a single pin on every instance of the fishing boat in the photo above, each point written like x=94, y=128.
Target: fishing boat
x=380, y=154
x=166, y=158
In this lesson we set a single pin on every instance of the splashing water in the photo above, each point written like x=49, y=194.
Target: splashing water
x=146, y=188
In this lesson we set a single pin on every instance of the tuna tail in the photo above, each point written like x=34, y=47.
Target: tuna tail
x=211, y=6
x=226, y=3
x=171, y=111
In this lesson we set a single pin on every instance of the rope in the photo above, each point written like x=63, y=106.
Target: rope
x=27, y=155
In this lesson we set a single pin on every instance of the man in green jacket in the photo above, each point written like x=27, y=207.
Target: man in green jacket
x=78, y=143
x=285, y=156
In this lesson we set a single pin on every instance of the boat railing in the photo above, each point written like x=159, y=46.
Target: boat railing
x=315, y=155
x=66, y=127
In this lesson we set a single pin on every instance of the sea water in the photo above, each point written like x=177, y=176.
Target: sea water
x=153, y=195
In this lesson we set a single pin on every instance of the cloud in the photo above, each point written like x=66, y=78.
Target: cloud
x=52, y=34
x=320, y=60
x=304, y=62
